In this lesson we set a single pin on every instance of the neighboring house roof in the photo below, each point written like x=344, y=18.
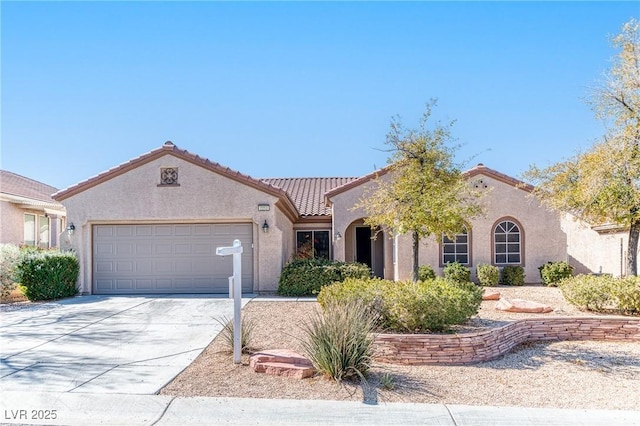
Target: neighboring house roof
x=27, y=192
x=308, y=193
x=169, y=148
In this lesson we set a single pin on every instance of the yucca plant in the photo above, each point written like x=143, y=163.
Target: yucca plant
x=339, y=340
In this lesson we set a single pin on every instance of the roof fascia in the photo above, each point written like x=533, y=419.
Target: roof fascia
x=170, y=149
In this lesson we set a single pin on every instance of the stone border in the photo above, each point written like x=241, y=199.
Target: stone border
x=470, y=348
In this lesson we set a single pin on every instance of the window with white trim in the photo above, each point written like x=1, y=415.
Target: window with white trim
x=507, y=243
x=455, y=249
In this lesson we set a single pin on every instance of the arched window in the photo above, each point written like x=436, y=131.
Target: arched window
x=507, y=243
x=456, y=249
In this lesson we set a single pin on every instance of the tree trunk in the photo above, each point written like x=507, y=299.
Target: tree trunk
x=416, y=245
x=632, y=250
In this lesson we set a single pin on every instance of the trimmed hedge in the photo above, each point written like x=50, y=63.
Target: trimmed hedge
x=512, y=275
x=47, y=275
x=410, y=307
x=552, y=273
x=305, y=277
x=603, y=293
x=488, y=275
x=457, y=272
x=426, y=272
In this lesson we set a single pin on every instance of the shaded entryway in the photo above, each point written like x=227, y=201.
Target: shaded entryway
x=363, y=244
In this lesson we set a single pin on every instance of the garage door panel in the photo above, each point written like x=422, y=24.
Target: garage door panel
x=178, y=258
x=163, y=230
x=144, y=230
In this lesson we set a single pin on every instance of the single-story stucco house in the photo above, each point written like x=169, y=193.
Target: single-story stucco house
x=152, y=225
x=29, y=215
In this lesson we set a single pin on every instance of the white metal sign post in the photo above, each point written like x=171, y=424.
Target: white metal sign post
x=236, y=251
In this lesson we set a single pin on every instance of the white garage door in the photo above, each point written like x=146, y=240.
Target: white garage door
x=168, y=258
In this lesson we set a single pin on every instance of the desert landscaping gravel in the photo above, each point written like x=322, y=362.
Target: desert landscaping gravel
x=569, y=374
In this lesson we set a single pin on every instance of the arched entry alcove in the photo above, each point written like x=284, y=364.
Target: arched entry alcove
x=363, y=244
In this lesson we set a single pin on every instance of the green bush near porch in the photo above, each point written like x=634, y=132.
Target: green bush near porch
x=48, y=275
x=305, y=277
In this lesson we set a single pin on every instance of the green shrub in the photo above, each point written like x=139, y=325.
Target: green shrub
x=603, y=293
x=552, y=273
x=9, y=259
x=47, y=275
x=488, y=275
x=247, y=327
x=512, y=275
x=627, y=293
x=305, y=277
x=457, y=272
x=339, y=340
x=426, y=272
x=591, y=292
x=407, y=306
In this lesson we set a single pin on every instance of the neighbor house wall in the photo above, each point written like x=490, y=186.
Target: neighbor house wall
x=203, y=196
x=12, y=231
x=589, y=251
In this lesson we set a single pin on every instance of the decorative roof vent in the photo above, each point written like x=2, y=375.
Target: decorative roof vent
x=480, y=184
x=169, y=176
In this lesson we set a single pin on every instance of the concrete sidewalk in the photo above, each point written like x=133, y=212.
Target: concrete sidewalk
x=115, y=409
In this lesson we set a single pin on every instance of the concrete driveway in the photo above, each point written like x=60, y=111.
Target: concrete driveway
x=106, y=344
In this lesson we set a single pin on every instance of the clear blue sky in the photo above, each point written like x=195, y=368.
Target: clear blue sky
x=296, y=89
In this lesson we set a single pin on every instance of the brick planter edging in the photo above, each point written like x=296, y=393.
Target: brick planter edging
x=469, y=348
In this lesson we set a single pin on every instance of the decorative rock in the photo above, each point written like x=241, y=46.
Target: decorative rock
x=520, y=305
x=490, y=294
x=282, y=362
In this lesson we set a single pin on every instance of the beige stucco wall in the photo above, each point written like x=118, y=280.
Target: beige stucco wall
x=203, y=196
x=544, y=240
x=589, y=251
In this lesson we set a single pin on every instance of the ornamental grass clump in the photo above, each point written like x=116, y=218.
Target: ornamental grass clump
x=247, y=327
x=339, y=340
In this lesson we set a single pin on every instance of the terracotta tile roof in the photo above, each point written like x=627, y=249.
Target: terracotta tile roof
x=20, y=186
x=308, y=193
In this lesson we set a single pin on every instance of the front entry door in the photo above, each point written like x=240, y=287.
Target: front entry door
x=363, y=245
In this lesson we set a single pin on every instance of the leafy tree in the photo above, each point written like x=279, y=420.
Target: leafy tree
x=426, y=193
x=602, y=185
